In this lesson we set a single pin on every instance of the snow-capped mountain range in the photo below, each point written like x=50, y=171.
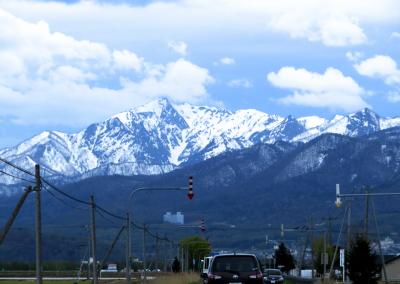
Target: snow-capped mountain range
x=159, y=137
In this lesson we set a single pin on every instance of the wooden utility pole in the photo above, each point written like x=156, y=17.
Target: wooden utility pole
x=14, y=214
x=157, y=251
x=349, y=227
x=128, y=248
x=366, y=214
x=144, y=255
x=38, y=226
x=93, y=223
x=378, y=236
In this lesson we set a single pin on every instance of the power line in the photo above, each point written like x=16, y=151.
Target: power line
x=16, y=167
x=109, y=213
x=62, y=201
x=16, y=177
x=65, y=194
x=104, y=217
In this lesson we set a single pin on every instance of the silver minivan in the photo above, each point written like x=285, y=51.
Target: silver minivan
x=206, y=264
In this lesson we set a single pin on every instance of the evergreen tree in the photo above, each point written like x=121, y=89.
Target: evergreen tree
x=361, y=262
x=284, y=258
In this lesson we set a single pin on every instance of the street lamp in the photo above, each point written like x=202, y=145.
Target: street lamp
x=190, y=195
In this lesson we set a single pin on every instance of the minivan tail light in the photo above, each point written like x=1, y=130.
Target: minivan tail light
x=213, y=276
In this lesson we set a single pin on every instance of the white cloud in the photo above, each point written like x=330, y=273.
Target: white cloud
x=380, y=66
x=331, y=31
x=179, y=79
x=330, y=90
x=240, y=83
x=385, y=68
x=50, y=78
x=179, y=47
x=226, y=61
x=395, y=35
x=334, y=23
x=126, y=60
x=354, y=56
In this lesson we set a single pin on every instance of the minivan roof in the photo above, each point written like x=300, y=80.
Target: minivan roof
x=237, y=254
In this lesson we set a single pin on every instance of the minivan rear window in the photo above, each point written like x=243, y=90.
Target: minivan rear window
x=234, y=264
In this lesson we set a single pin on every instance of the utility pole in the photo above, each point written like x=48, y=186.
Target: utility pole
x=349, y=227
x=14, y=214
x=157, y=252
x=378, y=235
x=128, y=248
x=89, y=250
x=144, y=255
x=187, y=259
x=329, y=237
x=95, y=280
x=312, y=246
x=165, y=254
x=38, y=226
x=325, y=255
x=366, y=213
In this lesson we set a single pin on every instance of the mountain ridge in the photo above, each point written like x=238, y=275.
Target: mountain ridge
x=159, y=137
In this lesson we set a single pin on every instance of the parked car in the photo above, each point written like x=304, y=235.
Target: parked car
x=273, y=276
x=234, y=269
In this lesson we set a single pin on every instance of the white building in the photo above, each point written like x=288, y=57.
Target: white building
x=177, y=218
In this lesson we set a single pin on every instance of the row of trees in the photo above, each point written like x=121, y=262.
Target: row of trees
x=361, y=261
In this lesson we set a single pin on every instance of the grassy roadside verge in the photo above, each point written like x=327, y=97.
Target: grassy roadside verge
x=180, y=278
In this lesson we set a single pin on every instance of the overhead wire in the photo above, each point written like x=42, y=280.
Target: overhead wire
x=100, y=209
x=16, y=167
x=104, y=217
x=109, y=213
x=16, y=177
x=61, y=200
x=64, y=193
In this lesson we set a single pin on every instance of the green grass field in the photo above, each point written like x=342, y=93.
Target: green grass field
x=181, y=278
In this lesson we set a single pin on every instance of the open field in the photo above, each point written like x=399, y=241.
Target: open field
x=181, y=278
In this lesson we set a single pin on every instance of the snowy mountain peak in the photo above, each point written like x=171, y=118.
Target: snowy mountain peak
x=159, y=137
x=157, y=107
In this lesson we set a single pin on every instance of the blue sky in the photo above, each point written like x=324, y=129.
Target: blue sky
x=66, y=64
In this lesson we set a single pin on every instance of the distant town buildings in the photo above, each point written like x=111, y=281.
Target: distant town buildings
x=177, y=218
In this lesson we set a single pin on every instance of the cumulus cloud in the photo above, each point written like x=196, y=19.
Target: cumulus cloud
x=333, y=23
x=331, y=89
x=240, y=83
x=331, y=31
x=52, y=78
x=380, y=66
x=177, y=80
x=385, y=68
x=179, y=47
x=126, y=60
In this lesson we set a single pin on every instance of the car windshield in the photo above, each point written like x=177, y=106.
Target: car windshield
x=234, y=264
x=273, y=272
